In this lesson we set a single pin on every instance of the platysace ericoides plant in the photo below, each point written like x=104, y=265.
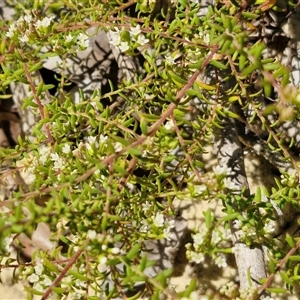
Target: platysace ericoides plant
x=154, y=85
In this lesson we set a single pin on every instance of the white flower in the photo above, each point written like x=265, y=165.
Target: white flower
x=169, y=125
x=206, y=39
x=135, y=30
x=220, y=261
x=43, y=23
x=124, y=46
x=83, y=40
x=102, y=266
x=44, y=153
x=69, y=38
x=7, y=244
x=33, y=278
x=200, y=189
x=58, y=161
x=237, y=224
x=198, y=238
x=103, y=138
x=91, y=234
x=20, y=21
x=92, y=139
x=39, y=268
x=158, y=220
x=39, y=287
x=27, y=168
x=115, y=39
x=103, y=260
x=170, y=60
x=89, y=148
x=218, y=170
x=118, y=146
x=23, y=38
x=146, y=207
x=197, y=257
x=230, y=184
x=115, y=251
x=11, y=30
x=28, y=17
x=66, y=149
x=145, y=226
x=142, y=40
x=215, y=237
x=47, y=281
x=269, y=228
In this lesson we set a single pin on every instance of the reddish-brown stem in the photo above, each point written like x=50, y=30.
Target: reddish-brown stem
x=279, y=267
x=62, y=274
x=36, y=98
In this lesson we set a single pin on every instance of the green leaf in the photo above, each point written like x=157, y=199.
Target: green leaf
x=205, y=86
x=133, y=251
x=218, y=64
x=36, y=67
x=144, y=126
x=285, y=278
x=19, y=72
x=276, y=290
x=77, y=275
x=232, y=216
x=135, y=152
x=59, y=290
x=178, y=80
x=50, y=265
x=257, y=197
x=294, y=257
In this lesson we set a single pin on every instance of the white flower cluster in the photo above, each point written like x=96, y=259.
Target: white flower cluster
x=230, y=290
x=171, y=58
x=28, y=164
x=36, y=276
x=169, y=125
x=222, y=173
x=28, y=27
x=25, y=25
x=158, y=220
x=136, y=36
x=196, y=251
x=290, y=179
x=7, y=244
x=44, y=23
x=205, y=37
x=248, y=231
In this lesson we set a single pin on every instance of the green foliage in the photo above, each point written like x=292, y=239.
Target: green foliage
x=106, y=176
